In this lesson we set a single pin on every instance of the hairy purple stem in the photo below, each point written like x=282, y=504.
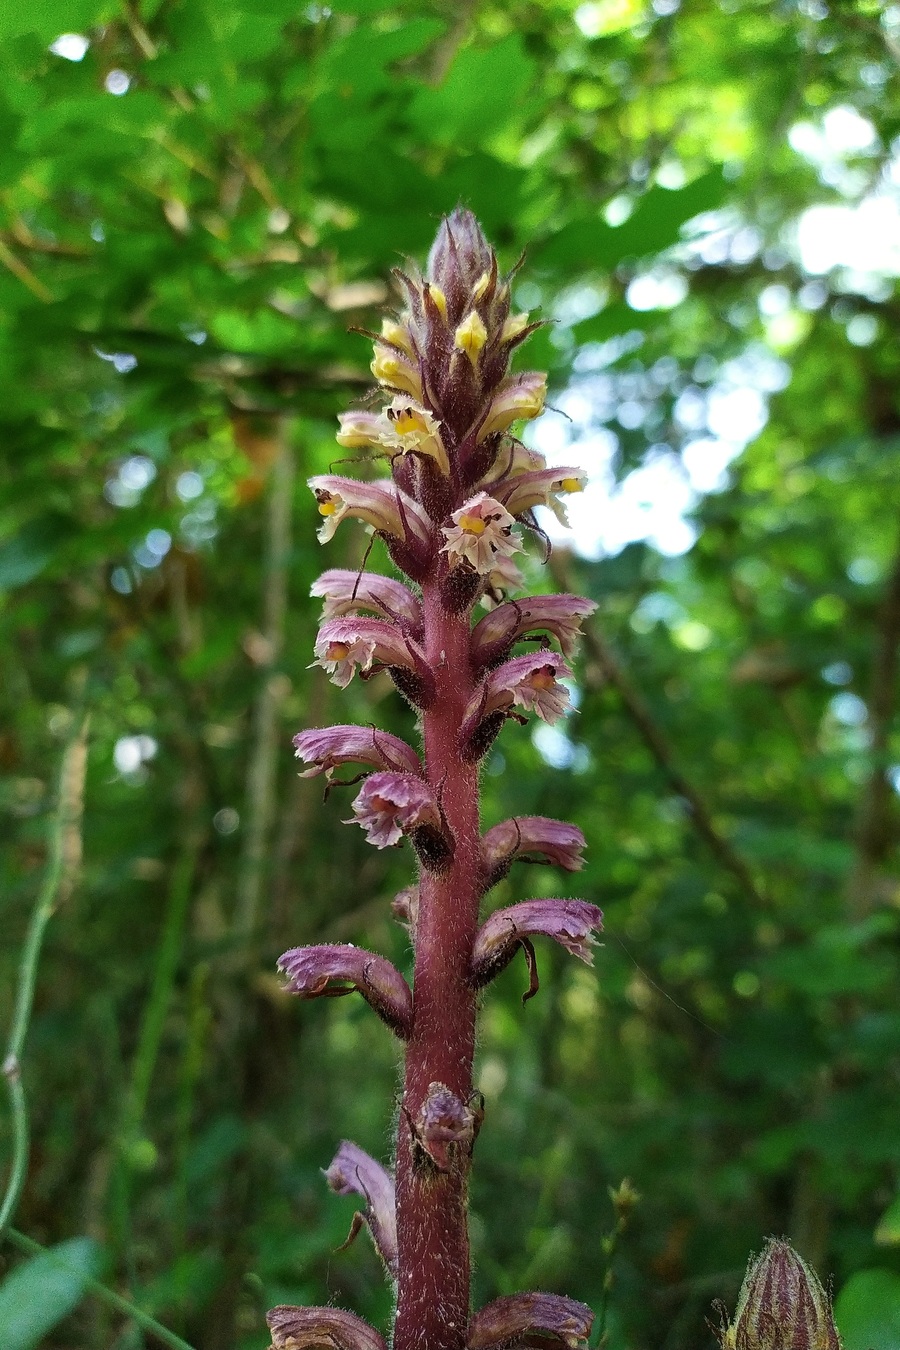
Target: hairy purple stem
x=432, y=1230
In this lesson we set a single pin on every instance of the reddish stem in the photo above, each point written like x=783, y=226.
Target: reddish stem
x=432, y=1229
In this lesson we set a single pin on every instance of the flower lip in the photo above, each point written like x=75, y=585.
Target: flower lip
x=561, y=615
x=346, y=591
x=343, y=644
x=482, y=532
x=354, y=1172
x=526, y=837
x=782, y=1302
x=568, y=922
x=530, y=682
x=549, y=1320
x=521, y=397
x=391, y=805
x=541, y=488
x=321, y=1328
x=324, y=748
x=311, y=970
x=381, y=505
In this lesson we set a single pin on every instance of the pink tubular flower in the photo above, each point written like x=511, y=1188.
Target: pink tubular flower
x=529, y=682
x=321, y=1329
x=345, y=591
x=568, y=922
x=327, y=747
x=344, y=644
x=549, y=1320
x=552, y=841
x=354, y=1172
x=311, y=970
x=482, y=532
x=359, y=430
x=561, y=615
x=528, y=490
x=521, y=396
x=381, y=505
x=390, y=805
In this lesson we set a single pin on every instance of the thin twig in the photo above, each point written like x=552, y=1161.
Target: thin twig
x=62, y=870
x=25, y=274
x=102, y=1292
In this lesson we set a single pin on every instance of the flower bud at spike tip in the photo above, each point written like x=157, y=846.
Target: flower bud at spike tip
x=782, y=1305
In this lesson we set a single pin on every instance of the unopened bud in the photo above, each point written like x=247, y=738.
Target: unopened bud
x=782, y=1305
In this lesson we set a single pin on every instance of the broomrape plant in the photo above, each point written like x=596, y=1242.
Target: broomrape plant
x=459, y=488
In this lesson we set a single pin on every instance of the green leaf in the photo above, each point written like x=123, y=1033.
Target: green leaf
x=888, y=1231
x=43, y=1291
x=49, y=18
x=867, y=1311
x=655, y=224
x=29, y=552
x=483, y=91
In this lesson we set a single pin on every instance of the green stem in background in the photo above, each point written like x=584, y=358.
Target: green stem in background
x=154, y=1017
x=100, y=1291
x=62, y=868
x=624, y=1198
x=262, y=774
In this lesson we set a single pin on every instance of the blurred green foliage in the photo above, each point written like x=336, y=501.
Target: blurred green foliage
x=194, y=215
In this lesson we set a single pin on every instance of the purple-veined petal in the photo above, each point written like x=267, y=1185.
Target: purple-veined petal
x=359, y=430
x=312, y=970
x=444, y=1125
x=321, y=1329
x=390, y=805
x=569, y=922
x=354, y=1172
x=343, y=644
x=345, y=591
x=520, y=396
x=327, y=747
x=482, y=532
x=532, y=1319
x=381, y=505
x=552, y=841
x=561, y=615
x=529, y=682
x=528, y=490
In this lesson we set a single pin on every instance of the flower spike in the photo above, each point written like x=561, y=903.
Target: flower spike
x=311, y=970
x=458, y=494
